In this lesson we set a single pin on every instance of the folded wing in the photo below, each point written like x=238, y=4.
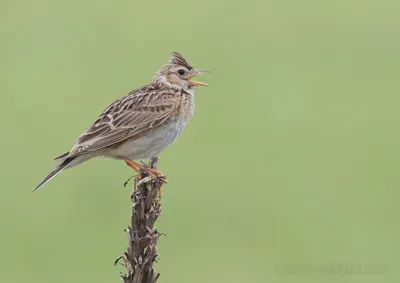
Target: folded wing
x=126, y=118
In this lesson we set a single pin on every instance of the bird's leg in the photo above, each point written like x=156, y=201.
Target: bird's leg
x=153, y=172
x=156, y=174
x=134, y=165
x=152, y=168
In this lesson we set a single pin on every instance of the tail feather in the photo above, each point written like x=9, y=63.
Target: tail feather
x=54, y=173
x=62, y=156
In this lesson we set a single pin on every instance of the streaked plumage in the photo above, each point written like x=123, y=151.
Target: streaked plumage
x=142, y=123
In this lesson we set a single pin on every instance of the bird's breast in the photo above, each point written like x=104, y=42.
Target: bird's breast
x=186, y=107
x=152, y=142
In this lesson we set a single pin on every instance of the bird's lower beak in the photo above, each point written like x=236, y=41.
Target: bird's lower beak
x=198, y=72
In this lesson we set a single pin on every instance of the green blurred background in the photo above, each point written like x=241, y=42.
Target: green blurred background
x=290, y=162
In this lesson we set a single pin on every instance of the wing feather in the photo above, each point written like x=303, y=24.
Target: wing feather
x=126, y=118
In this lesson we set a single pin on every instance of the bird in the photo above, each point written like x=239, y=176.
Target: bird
x=140, y=124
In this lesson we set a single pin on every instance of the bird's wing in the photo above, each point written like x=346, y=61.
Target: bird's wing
x=126, y=118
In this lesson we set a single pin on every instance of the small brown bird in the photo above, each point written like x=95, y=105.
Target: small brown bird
x=140, y=124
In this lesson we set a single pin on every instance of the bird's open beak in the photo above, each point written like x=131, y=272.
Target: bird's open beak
x=198, y=72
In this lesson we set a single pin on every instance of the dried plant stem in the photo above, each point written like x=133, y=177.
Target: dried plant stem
x=141, y=251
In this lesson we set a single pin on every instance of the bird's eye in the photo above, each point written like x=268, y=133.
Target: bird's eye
x=181, y=72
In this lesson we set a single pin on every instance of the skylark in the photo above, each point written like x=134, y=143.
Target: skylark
x=140, y=124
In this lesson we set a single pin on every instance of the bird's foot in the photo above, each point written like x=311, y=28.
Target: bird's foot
x=153, y=173
x=134, y=165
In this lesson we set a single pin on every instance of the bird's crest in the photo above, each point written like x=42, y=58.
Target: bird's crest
x=177, y=59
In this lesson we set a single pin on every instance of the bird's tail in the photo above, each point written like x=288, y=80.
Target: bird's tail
x=55, y=172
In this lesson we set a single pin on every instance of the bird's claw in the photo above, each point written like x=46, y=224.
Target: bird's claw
x=127, y=181
x=118, y=259
x=154, y=174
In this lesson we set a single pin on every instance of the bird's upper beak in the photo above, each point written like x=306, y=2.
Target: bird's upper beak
x=195, y=73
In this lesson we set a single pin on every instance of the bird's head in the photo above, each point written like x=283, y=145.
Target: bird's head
x=178, y=73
